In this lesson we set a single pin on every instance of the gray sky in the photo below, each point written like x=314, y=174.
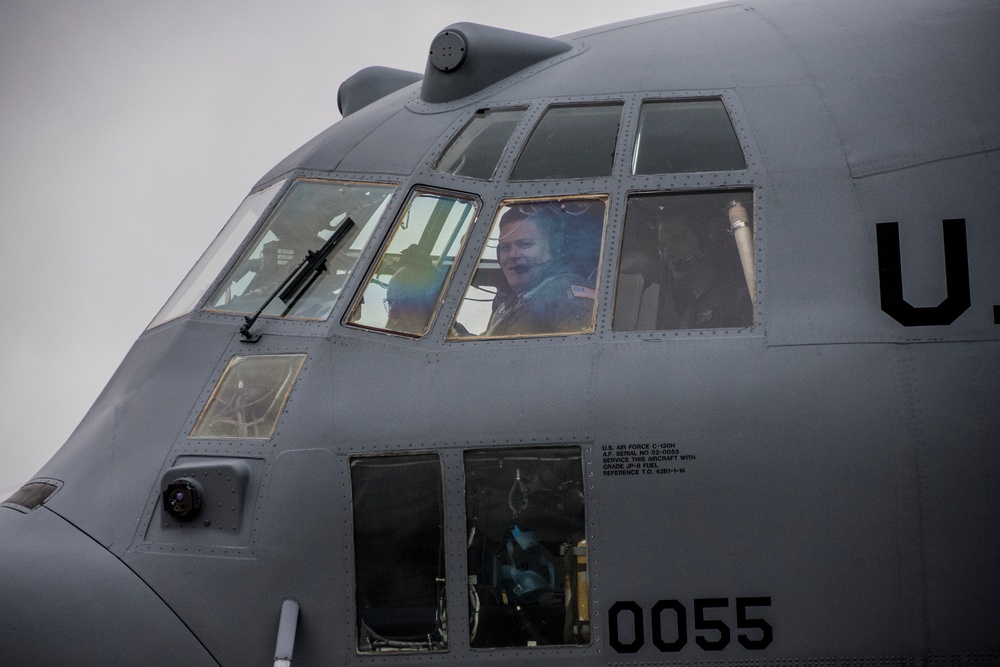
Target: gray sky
x=130, y=131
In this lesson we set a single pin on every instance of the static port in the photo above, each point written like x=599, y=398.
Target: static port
x=182, y=499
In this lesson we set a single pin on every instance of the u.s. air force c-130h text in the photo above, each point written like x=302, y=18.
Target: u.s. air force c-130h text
x=671, y=341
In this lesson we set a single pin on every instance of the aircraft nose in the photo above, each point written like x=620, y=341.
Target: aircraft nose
x=66, y=600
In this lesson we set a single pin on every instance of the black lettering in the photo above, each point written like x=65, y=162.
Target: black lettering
x=742, y=622
x=680, y=616
x=637, y=630
x=702, y=623
x=956, y=266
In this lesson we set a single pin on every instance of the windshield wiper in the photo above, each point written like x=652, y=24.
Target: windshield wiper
x=298, y=282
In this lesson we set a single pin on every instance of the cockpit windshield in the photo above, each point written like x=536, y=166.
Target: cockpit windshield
x=309, y=214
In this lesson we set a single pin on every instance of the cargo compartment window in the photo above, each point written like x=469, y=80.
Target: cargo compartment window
x=538, y=272
x=680, y=137
x=687, y=262
x=404, y=289
x=528, y=581
x=476, y=150
x=399, y=553
x=570, y=142
x=310, y=214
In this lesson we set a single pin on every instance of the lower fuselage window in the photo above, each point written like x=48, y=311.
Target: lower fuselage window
x=399, y=553
x=528, y=581
x=687, y=262
x=538, y=272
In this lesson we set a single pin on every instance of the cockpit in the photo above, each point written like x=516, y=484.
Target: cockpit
x=665, y=198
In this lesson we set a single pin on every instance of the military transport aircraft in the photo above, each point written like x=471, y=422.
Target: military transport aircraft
x=670, y=341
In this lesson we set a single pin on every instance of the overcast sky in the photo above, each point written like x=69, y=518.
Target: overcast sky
x=130, y=131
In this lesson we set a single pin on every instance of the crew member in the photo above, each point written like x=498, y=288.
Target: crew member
x=545, y=295
x=704, y=292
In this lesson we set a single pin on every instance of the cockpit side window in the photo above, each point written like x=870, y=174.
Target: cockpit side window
x=687, y=262
x=538, y=272
x=310, y=213
x=187, y=295
x=571, y=142
x=476, y=150
x=527, y=547
x=678, y=137
x=404, y=289
x=399, y=553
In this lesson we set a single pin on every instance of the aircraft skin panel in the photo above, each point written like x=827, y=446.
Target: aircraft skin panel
x=689, y=52
x=760, y=487
x=146, y=395
x=399, y=145
x=333, y=143
x=300, y=553
x=887, y=117
x=842, y=216
x=955, y=474
x=920, y=199
x=103, y=613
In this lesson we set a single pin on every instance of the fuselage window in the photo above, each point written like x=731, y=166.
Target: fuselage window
x=570, y=142
x=678, y=137
x=249, y=397
x=404, y=289
x=538, y=273
x=687, y=262
x=476, y=150
x=399, y=553
x=528, y=581
x=309, y=215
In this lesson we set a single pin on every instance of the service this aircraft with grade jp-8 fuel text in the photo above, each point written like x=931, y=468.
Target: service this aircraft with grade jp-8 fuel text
x=670, y=341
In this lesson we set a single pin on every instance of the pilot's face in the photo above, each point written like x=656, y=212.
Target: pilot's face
x=523, y=253
x=677, y=240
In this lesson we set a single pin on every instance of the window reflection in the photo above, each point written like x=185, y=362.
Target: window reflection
x=404, y=289
x=399, y=553
x=477, y=149
x=677, y=137
x=538, y=272
x=308, y=215
x=528, y=582
x=571, y=142
x=686, y=263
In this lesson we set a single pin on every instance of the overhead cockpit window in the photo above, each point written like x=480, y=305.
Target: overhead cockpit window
x=679, y=137
x=528, y=581
x=570, y=142
x=399, y=553
x=538, y=273
x=687, y=262
x=186, y=297
x=404, y=290
x=476, y=150
x=249, y=397
x=307, y=217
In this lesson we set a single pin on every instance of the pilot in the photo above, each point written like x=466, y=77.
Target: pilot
x=704, y=291
x=412, y=293
x=546, y=295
